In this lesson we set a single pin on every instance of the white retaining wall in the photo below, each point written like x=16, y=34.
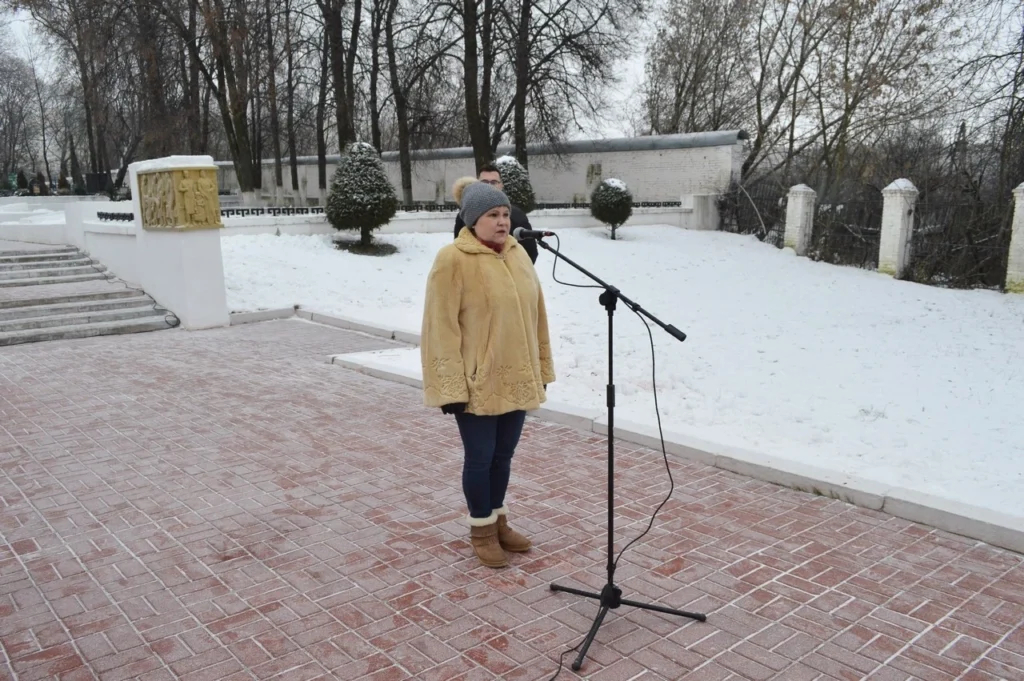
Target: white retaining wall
x=113, y=244
x=656, y=168
x=45, y=202
x=34, y=231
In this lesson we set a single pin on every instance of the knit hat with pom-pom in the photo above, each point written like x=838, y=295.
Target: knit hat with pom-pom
x=478, y=198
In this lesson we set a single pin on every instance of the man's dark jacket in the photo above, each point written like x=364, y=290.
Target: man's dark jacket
x=518, y=219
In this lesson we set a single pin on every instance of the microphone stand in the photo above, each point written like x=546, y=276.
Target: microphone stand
x=610, y=597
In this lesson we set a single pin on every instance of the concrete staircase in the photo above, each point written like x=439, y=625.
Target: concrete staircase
x=51, y=293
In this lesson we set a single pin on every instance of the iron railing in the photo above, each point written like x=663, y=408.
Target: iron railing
x=417, y=208
x=960, y=242
x=758, y=208
x=118, y=217
x=848, y=232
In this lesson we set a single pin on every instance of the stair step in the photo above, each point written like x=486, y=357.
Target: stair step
x=49, y=309
x=39, y=252
x=51, y=272
x=8, y=283
x=79, y=261
x=154, y=323
x=75, y=298
x=75, y=319
x=38, y=256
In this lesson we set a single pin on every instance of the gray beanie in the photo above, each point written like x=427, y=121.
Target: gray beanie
x=478, y=198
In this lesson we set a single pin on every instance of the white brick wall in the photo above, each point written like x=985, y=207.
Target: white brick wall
x=652, y=174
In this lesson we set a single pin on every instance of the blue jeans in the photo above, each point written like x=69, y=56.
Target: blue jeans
x=490, y=442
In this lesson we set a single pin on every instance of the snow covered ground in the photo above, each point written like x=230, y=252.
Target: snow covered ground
x=838, y=367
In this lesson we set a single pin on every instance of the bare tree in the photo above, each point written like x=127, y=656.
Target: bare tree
x=85, y=28
x=218, y=51
x=39, y=87
x=321, y=118
x=16, y=113
x=424, y=46
x=561, y=57
x=289, y=55
x=275, y=121
x=695, y=66
x=477, y=87
x=341, y=48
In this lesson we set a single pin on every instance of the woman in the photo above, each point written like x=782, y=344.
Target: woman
x=486, y=356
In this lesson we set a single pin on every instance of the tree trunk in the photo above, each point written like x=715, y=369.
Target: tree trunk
x=257, y=142
x=129, y=156
x=290, y=98
x=321, y=119
x=487, y=48
x=474, y=121
x=275, y=122
x=42, y=124
x=100, y=163
x=401, y=106
x=87, y=106
x=375, y=30
x=522, y=68
x=157, y=126
x=204, y=140
x=76, y=167
x=334, y=27
x=197, y=117
x=350, y=64
x=234, y=115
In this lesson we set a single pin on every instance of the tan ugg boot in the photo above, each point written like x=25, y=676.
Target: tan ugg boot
x=509, y=539
x=483, y=533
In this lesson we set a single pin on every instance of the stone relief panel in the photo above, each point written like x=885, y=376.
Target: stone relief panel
x=156, y=200
x=180, y=199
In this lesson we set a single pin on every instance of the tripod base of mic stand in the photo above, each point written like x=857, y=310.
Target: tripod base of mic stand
x=611, y=598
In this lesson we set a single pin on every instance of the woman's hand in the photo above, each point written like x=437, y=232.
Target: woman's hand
x=454, y=408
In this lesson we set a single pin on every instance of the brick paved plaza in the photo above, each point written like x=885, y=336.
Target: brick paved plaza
x=226, y=505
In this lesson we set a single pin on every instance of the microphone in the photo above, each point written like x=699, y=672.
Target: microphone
x=523, y=233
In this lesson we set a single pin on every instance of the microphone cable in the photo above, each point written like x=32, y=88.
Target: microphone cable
x=661, y=437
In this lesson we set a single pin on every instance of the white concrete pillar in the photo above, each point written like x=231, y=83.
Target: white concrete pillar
x=799, y=218
x=177, y=228
x=1015, y=264
x=898, y=201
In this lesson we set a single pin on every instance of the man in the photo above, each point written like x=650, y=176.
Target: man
x=489, y=174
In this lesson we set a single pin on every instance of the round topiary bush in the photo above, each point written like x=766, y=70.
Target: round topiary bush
x=517, y=183
x=361, y=197
x=612, y=203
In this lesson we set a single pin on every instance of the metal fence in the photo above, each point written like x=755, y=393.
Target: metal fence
x=758, y=208
x=960, y=242
x=116, y=217
x=848, y=232
x=417, y=208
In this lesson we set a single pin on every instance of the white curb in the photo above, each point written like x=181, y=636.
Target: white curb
x=261, y=315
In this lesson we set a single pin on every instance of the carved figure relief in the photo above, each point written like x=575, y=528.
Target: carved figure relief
x=157, y=209
x=183, y=199
x=206, y=186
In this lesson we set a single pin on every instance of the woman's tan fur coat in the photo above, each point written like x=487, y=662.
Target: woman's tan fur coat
x=485, y=330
